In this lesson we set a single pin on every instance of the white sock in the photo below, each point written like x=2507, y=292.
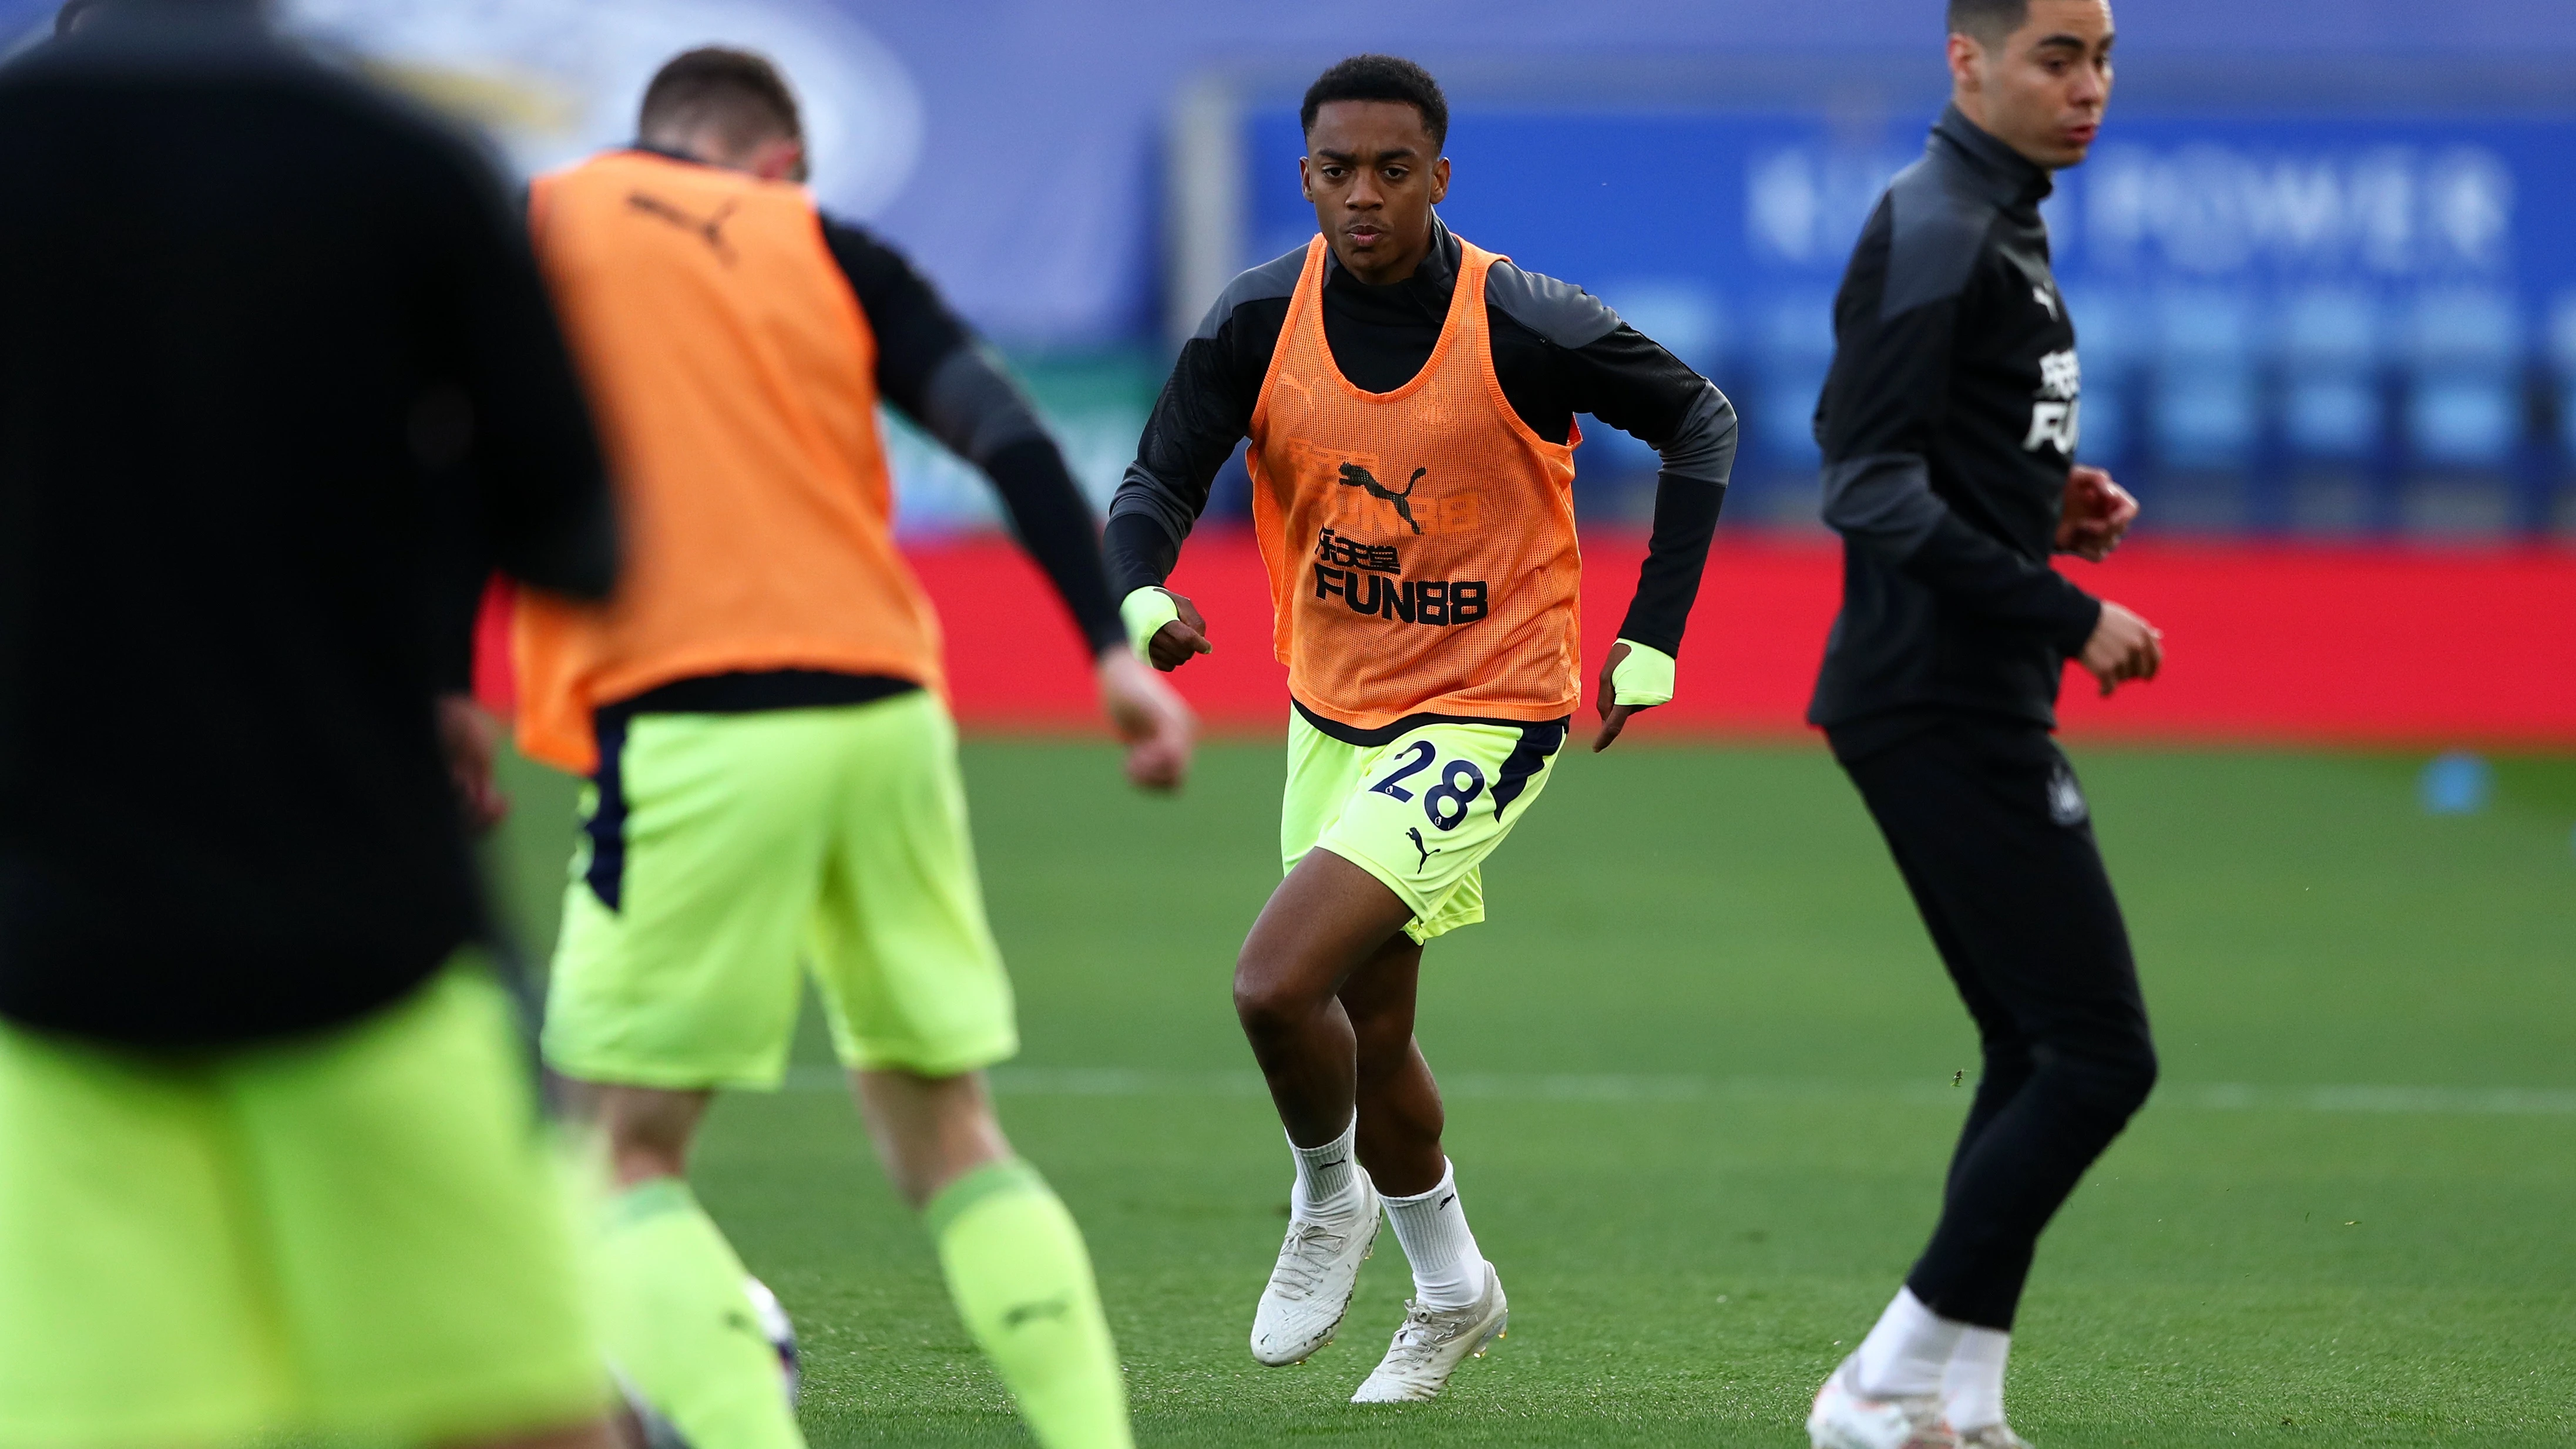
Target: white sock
x=1904, y=1355
x=1972, y=1385
x=1328, y=1179
x=1448, y=1272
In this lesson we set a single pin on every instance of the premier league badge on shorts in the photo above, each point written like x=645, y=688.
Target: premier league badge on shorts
x=2066, y=798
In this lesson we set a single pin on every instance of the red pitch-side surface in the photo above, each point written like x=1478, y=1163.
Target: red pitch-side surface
x=2264, y=643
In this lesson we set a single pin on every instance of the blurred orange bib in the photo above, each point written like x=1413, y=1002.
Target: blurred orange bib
x=1420, y=542
x=733, y=376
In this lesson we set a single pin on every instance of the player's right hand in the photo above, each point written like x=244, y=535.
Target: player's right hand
x=2096, y=515
x=2123, y=647
x=1177, y=641
x=1151, y=720
x=471, y=741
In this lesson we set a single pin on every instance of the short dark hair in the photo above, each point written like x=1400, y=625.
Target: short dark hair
x=738, y=92
x=1988, y=20
x=1380, y=78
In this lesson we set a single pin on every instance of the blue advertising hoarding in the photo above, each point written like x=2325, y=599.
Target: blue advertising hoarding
x=2255, y=297
x=1701, y=165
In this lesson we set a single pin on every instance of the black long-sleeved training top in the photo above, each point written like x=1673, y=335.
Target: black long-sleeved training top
x=276, y=373
x=1557, y=349
x=1948, y=424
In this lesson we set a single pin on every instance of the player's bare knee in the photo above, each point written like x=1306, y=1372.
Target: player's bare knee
x=1266, y=1009
x=929, y=1131
x=1270, y=999
x=638, y=1156
x=1385, y=1042
x=1381, y=1055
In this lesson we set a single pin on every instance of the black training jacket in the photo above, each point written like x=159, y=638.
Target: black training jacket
x=1948, y=423
x=1558, y=351
x=278, y=384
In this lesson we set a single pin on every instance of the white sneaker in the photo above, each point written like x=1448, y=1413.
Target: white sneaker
x=1432, y=1343
x=1993, y=1436
x=1846, y=1418
x=1310, y=1288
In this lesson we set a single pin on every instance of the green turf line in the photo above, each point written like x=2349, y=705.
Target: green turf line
x=1573, y=1087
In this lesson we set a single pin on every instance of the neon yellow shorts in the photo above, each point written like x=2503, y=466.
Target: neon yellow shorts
x=721, y=850
x=361, y=1233
x=1420, y=812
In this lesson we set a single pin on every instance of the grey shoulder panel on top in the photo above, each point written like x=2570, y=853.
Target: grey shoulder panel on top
x=1703, y=448
x=1561, y=312
x=1936, y=226
x=1140, y=492
x=1276, y=277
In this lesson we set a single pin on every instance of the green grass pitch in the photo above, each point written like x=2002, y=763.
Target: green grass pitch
x=1699, y=1066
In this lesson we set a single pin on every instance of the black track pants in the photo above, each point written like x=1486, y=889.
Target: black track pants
x=1991, y=832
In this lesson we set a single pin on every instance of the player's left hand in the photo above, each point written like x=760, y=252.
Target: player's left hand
x=1152, y=720
x=2096, y=516
x=471, y=739
x=1614, y=717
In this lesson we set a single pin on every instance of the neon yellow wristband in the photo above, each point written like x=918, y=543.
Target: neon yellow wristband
x=1644, y=678
x=1145, y=612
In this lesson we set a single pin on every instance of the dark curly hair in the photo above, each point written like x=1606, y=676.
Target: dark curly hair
x=1380, y=78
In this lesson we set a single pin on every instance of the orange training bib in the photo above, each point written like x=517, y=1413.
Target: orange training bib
x=734, y=379
x=1420, y=542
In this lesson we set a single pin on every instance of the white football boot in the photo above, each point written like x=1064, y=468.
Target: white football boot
x=1993, y=1436
x=1846, y=1418
x=1432, y=1343
x=1310, y=1287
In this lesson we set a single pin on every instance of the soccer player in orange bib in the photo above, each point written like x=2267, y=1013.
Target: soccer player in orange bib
x=775, y=790
x=1410, y=400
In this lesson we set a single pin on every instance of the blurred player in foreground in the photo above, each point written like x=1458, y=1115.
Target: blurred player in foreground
x=774, y=774
x=280, y=383
x=1949, y=425
x=1410, y=400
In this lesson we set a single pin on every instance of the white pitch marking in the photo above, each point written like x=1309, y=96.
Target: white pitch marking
x=1590, y=1087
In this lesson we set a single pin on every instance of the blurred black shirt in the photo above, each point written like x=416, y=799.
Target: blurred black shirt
x=278, y=384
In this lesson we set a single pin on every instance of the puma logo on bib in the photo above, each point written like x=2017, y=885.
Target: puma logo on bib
x=709, y=229
x=1355, y=476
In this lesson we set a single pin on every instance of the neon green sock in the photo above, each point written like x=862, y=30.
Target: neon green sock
x=680, y=1327
x=1021, y=1279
